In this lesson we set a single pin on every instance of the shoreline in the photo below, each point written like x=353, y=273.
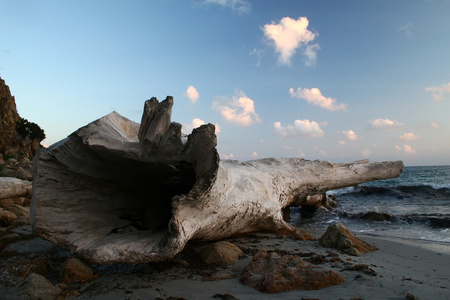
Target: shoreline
x=402, y=266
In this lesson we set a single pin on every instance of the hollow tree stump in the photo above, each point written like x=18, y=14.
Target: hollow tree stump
x=118, y=191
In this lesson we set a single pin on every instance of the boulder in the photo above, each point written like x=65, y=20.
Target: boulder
x=13, y=187
x=24, y=231
x=75, y=270
x=271, y=273
x=26, y=247
x=6, y=217
x=9, y=238
x=220, y=254
x=339, y=237
x=37, y=287
x=40, y=265
x=19, y=210
x=116, y=191
x=16, y=171
x=376, y=216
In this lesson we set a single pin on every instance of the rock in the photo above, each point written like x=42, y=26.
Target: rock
x=120, y=192
x=21, y=221
x=14, y=187
x=12, y=143
x=6, y=202
x=220, y=254
x=271, y=273
x=75, y=270
x=9, y=238
x=19, y=210
x=24, y=231
x=6, y=217
x=13, y=170
x=329, y=202
x=32, y=246
x=339, y=237
x=376, y=216
x=37, y=287
x=362, y=268
x=41, y=266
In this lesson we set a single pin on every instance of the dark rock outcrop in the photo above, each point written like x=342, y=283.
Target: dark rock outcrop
x=272, y=273
x=19, y=138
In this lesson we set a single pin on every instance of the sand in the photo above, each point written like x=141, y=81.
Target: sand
x=402, y=267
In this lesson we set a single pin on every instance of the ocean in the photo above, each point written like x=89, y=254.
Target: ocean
x=416, y=206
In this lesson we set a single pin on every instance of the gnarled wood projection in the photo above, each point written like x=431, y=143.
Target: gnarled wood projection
x=117, y=191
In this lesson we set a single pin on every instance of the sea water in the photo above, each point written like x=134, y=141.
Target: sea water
x=416, y=204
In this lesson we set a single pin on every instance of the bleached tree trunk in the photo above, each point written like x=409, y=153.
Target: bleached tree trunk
x=117, y=191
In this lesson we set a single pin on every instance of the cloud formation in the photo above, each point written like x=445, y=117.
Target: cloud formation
x=385, y=124
x=409, y=136
x=350, y=134
x=406, y=29
x=434, y=124
x=315, y=97
x=192, y=94
x=258, y=53
x=187, y=128
x=237, y=6
x=289, y=35
x=406, y=148
x=439, y=91
x=311, y=54
x=301, y=128
x=239, y=110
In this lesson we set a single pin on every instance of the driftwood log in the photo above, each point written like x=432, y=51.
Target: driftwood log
x=116, y=191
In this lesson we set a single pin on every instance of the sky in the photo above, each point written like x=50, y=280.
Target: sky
x=331, y=80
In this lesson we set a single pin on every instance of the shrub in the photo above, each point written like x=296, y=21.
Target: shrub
x=30, y=129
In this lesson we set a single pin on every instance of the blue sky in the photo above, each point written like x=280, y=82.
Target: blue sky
x=329, y=80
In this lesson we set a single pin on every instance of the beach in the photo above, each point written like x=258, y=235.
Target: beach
x=400, y=269
x=401, y=266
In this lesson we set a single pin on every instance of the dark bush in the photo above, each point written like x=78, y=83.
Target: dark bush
x=30, y=129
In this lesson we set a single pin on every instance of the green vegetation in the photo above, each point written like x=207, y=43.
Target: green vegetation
x=30, y=129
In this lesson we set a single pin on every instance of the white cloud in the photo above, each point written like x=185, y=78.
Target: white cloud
x=434, y=124
x=255, y=154
x=366, y=152
x=239, y=110
x=218, y=129
x=237, y=6
x=227, y=156
x=406, y=29
x=258, y=54
x=409, y=136
x=439, y=91
x=301, y=128
x=341, y=142
x=289, y=35
x=350, y=134
x=406, y=148
x=192, y=94
x=187, y=128
x=315, y=97
x=311, y=54
x=385, y=124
